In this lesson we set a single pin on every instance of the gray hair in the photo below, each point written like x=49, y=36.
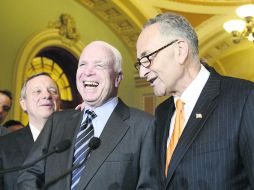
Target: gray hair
x=177, y=26
x=24, y=87
x=117, y=57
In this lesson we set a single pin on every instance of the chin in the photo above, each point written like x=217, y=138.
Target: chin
x=158, y=93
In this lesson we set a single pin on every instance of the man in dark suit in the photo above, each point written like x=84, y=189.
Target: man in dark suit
x=213, y=148
x=39, y=99
x=126, y=157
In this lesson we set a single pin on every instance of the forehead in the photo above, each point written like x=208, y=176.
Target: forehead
x=41, y=80
x=4, y=99
x=149, y=39
x=96, y=52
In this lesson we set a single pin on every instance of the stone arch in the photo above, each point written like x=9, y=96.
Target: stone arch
x=47, y=38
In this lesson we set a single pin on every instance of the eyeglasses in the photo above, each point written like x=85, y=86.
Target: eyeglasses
x=146, y=61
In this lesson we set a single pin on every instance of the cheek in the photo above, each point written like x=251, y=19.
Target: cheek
x=34, y=101
x=55, y=97
x=78, y=73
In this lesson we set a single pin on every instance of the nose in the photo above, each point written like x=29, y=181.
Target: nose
x=89, y=70
x=47, y=94
x=143, y=72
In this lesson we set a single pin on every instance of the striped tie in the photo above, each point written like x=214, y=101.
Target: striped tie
x=86, y=132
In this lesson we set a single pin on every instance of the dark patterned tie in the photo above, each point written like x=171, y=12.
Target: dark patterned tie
x=86, y=132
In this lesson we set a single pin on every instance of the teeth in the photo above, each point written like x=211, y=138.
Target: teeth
x=90, y=83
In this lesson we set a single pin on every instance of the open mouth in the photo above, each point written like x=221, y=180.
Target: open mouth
x=91, y=84
x=152, y=80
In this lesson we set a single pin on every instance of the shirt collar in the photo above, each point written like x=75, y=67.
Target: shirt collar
x=103, y=114
x=109, y=105
x=193, y=91
x=35, y=132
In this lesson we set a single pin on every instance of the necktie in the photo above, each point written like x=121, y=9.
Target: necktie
x=86, y=132
x=178, y=129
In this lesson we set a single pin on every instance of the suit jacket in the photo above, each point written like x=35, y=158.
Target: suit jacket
x=125, y=159
x=14, y=148
x=215, y=151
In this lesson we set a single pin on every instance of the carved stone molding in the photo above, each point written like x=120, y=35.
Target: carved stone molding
x=67, y=29
x=116, y=19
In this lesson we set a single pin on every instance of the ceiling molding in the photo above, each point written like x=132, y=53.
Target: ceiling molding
x=126, y=19
x=121, y=17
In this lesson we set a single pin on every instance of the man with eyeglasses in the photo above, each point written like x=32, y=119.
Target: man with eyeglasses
x=5, y=106
x=204, y=130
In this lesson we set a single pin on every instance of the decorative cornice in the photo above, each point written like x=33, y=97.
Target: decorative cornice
x=67, y=29
x=123, y=26
x=114, y=17
x=213, y=2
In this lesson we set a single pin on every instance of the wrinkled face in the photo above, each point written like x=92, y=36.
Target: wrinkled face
x=97, y=82
x=5, y=106
x=41, y=99
x=165, y=70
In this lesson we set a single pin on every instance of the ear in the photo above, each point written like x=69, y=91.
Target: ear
x=183, y=51
x=22, y=104
x=118, y=79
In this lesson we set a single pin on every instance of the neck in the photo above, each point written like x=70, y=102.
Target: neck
x=190, y=72
x=38, y=124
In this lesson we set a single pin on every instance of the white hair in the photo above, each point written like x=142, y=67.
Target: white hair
x=117, y=57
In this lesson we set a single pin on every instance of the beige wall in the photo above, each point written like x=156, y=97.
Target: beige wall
x=20, y=20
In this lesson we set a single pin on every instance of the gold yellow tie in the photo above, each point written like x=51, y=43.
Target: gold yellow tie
x=178, y=129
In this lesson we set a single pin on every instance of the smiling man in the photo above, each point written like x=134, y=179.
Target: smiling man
x=125, y=158
x=39, y=99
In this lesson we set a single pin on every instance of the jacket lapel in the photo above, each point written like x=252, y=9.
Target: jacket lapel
x=70, y=129
x=115, y=126
x=25, y=141
x=163, y=119
x=204, y=106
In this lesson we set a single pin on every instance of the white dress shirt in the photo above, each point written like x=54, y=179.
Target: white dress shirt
x=190, y=97
x=35, y=131
x=103, y=113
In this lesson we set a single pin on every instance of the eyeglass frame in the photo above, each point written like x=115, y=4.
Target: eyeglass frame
x=138, y=64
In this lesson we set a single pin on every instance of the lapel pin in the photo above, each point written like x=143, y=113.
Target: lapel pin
x=198, y=115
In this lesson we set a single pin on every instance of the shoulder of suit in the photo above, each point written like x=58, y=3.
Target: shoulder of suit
x=241, y=85
x=14, y=134
x=140, y=112
x=165, y=105
x=10, y=138
x=66, y=112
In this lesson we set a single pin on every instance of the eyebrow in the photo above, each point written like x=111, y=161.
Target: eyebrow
x=94, y=62
x=82, y=61
x=144, y=54
x=54, y=87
